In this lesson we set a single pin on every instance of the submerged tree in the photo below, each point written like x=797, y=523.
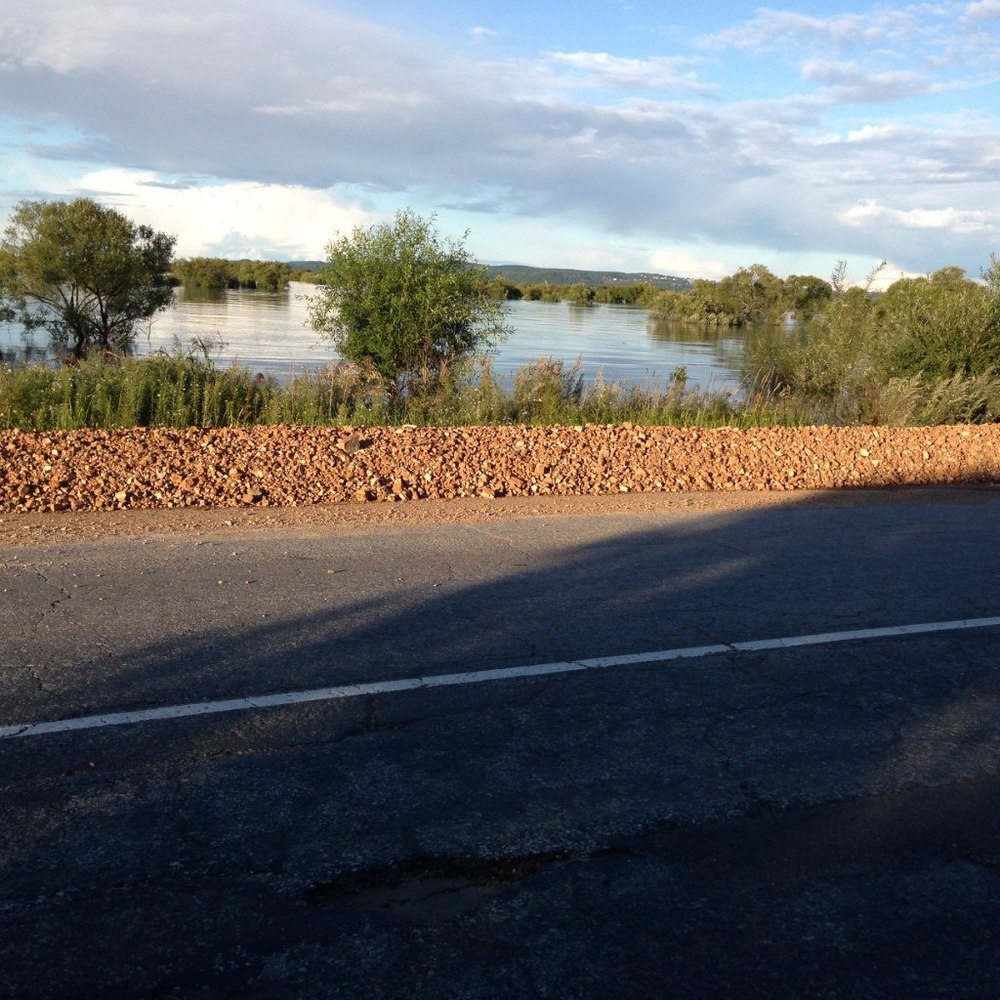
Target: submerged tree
x=86, y=273
x=217, y=273
x=405, y=301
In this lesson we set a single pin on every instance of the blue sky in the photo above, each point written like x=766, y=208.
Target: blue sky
x=686, y=139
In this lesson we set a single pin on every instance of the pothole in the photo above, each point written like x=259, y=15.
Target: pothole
x=428, y=887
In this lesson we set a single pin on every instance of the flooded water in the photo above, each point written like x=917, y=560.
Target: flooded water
x=270, y=332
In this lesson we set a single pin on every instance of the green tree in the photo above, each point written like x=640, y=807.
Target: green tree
x=950, y=275
x=85, y=273
x=807, y=294
x=939, y=326
x=218, y=273
x=202, y=272
x=701, y=303
x=579, y=294
x=405, y=301
x=754, y=295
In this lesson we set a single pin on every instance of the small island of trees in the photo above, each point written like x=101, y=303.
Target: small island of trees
x=215, y=273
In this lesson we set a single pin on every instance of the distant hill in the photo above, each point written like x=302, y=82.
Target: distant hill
x=305, y=265
x=522, y=274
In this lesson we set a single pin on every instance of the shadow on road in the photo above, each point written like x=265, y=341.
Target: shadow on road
x=695, y=823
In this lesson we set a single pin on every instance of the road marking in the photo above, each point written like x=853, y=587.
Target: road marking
x=344, y=691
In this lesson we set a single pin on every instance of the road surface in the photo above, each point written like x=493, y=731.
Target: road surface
x=570, y=750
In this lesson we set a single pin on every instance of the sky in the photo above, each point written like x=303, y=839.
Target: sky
x=686, y=139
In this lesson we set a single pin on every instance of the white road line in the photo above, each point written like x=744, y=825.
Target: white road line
x=475, y=677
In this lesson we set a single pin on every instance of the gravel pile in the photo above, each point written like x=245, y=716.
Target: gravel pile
x=291, y=466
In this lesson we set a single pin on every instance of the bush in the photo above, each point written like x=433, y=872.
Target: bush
x=183, y=391
x=927, y=350
x=403, y=301
x=938, y=329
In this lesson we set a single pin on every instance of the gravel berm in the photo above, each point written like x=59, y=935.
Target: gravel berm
x=295, y=466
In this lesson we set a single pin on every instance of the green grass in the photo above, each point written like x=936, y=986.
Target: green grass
x=817, y=385
x=182, y=391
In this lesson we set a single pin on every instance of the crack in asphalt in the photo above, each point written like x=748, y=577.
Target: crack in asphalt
x=754, y=797
x=507, y=542
x=52, y=605
x=438, y=887
x=31, y=670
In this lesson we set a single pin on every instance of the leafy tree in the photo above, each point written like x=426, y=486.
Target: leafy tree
x=925, y=347
x=202, y=272
x=701, y=303
x=638, y=293
x=939, y=326
x=85, y=273
x=400, y=298
x=754, y=295
x=579, y=294
x=991, y=277
x=542, y=293
x=838, y=279
x=807, y=294
x=502, y=289
x=268, y=275
x=951, y=275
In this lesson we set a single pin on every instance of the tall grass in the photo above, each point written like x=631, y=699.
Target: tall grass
x=796, y=384
x=183, y=391
x=157, y=391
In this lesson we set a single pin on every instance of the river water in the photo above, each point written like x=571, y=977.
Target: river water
x=269, y=332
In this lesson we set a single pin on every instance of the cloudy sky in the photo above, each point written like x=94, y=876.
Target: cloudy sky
x=684, y=138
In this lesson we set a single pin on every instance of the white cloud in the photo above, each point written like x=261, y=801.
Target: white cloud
x=984, y=10
x=882, y=133
x=876, y=54
x=231, y=220
x=47, y=34
x=656, y=73
x=771, y=30
x=869, y=213
x=686, y=262
x=847, y=82
x=239, y=50
x=359, y=101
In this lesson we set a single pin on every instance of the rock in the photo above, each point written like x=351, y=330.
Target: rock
x=301, y=465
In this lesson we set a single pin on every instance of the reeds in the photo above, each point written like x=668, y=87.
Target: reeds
x=184, y=391
x=793, y=388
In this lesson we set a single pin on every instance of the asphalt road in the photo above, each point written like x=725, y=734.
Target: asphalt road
x=814, y=820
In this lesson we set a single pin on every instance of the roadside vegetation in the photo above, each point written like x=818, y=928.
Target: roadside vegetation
x=185, y=391
x=925, y=351
x=415, y=320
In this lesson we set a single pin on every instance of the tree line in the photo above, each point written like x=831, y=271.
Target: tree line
x=216, y=273
x=752, y=295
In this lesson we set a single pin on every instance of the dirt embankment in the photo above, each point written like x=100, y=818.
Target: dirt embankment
x=291, y=466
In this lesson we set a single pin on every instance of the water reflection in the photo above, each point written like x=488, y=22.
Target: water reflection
x=623, y=343
x=270, y=332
